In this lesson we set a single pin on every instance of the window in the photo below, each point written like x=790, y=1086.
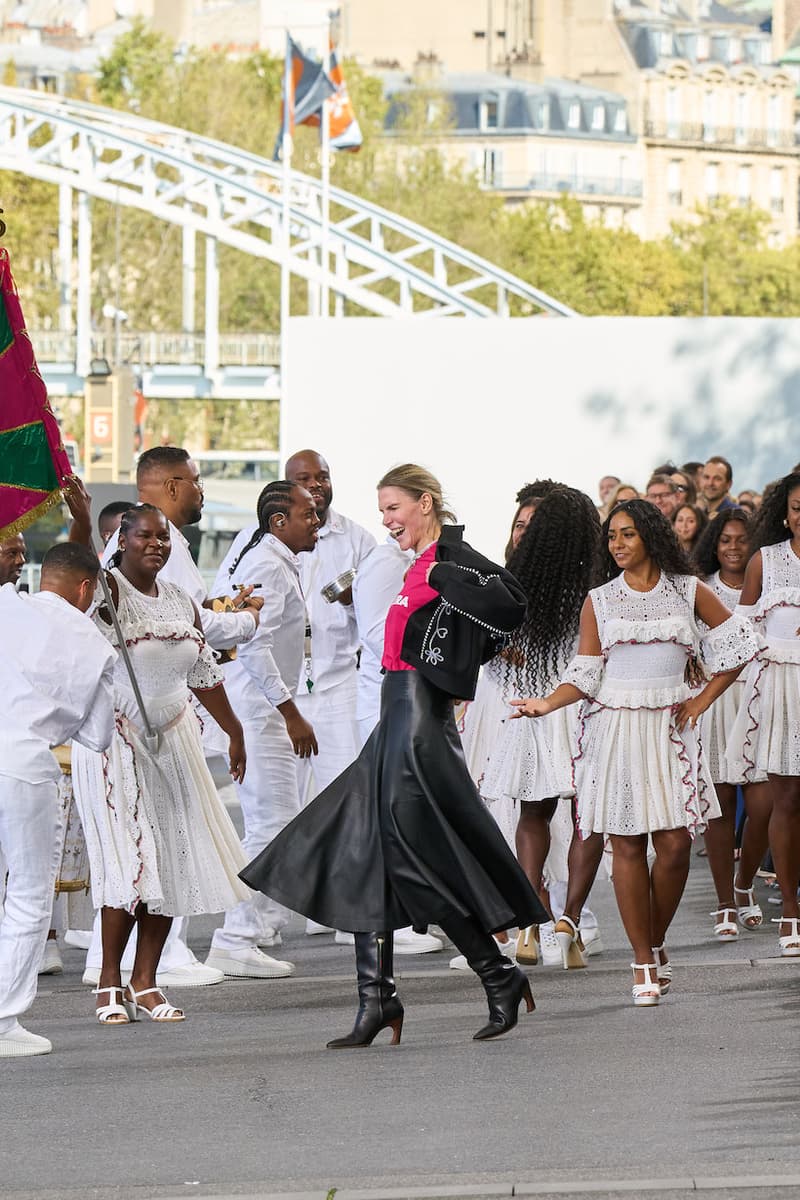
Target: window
x=489, y=114
x=598, y=118
x=744, y=185
x=574, y=115
x=712, y=183
x=776, y=190
x=543, y=116
x=742, y=117
x=673, y=112
x=674, y=182
x=492, y=168
x=703, y=47
x=620, y=121
x=665, y=44
x=773, y=118
x=709, y=116
x=734, y=49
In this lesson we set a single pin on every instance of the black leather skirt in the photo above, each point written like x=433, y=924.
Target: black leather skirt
x=401, y=837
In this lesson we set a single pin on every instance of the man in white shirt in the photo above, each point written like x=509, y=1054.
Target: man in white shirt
x=167, y=477
x=376, y=585
x=328, y=685
x=55, y=679
x=262, y=684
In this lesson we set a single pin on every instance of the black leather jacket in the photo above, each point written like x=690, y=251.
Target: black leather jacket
x=479, y=605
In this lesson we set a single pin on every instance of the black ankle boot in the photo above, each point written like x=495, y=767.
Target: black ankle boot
x=506, y=986
x=379, y=1005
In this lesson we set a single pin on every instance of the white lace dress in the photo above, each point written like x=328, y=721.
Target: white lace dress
x=635, y=772
x=717, y=721
x=766, y=734
x=156, y=830
x=515, y=761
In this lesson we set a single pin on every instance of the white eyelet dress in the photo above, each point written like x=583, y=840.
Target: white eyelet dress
x=522, y=760
x=718, y=721
x=156, y=829
x=766, y=735
x=635, y=772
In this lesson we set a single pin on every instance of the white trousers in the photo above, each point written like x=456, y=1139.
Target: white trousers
x=333, y=715
x=269, y=800
x=30, y=837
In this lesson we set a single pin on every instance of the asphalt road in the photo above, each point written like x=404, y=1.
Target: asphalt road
x=588, y=1096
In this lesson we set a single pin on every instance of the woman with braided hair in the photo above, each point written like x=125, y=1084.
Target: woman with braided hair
x=766, y=736
x=262, y=682
x=529, y=768
x=639, y=770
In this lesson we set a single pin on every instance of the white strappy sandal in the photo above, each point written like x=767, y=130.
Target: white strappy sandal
x=750, y=914
x=648, y=993
x=726, y=928
x=663, y=969
x=789, y=942
x=107, y=1014
x=568, y=936
x=162, y=1012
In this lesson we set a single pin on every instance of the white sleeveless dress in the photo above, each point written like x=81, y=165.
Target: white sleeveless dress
x=635, y=772
x=156, y=829
x=766, y=734
x=717, y=721
x=522, y=760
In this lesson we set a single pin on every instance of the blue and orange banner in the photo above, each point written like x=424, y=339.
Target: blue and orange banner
x=307, y=86
x=33, y=463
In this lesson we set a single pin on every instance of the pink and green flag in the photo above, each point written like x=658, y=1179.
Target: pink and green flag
x=33, y=462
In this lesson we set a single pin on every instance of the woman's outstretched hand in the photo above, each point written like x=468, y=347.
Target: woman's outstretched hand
x=530, y=708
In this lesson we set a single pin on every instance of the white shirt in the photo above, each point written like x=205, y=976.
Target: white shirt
x=379, y=579
x=266, y=670
x=56, y=682
x=341, y=546
x=221, y=630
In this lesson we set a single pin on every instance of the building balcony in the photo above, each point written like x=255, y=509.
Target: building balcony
x=582, y=186
x=728, y=136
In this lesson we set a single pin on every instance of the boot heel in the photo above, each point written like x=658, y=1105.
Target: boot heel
x=396, y=1027
x=527, y=996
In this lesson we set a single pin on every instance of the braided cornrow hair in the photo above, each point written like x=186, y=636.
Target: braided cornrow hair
x=554, y=562
x=129, y=519
x=660, y=541
x=275, y=501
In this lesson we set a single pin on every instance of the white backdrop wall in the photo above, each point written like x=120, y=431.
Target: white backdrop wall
x=490, y=405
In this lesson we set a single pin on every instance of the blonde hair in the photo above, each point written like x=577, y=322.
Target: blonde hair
x=417, y=481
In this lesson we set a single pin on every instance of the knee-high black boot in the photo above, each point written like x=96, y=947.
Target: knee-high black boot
x=506, y=986
x=379, y=1005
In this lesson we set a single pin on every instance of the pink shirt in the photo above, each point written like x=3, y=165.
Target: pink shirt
x=416, y=593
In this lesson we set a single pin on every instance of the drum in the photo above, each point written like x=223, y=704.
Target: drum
x=73, y=874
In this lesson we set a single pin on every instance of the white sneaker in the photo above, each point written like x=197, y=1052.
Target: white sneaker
x=314, y=927
x=406, y=941
x=17, y=1042
x=250, y=963
x=51, y=963
x=592, y=942
x=81, y=939
x=509, y=949
x=344, y=939
x=549, y=949
x=189, y=975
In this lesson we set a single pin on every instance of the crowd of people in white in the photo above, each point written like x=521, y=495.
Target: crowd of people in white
x=657, y=664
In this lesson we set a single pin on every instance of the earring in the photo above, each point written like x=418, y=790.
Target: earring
x=786, y=523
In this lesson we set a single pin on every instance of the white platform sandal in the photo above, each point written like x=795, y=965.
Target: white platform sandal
x=750, y=914
x=789, y=942
x=165, y=1012
x=109, y=1014
x=648, y=993
x=726, y=929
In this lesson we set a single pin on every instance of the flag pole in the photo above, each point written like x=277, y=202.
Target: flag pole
x=326, y=178
x=285, y=306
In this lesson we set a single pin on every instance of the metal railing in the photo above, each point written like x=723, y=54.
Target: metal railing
x=722, y=135
x=149, y=349
x=577, y=185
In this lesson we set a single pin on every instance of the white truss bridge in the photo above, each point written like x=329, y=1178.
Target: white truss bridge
x=364, y=260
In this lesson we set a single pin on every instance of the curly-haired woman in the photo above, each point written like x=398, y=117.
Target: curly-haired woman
x=529, y=768
x=638, y=770
x=766, y=736
x=721, y=558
